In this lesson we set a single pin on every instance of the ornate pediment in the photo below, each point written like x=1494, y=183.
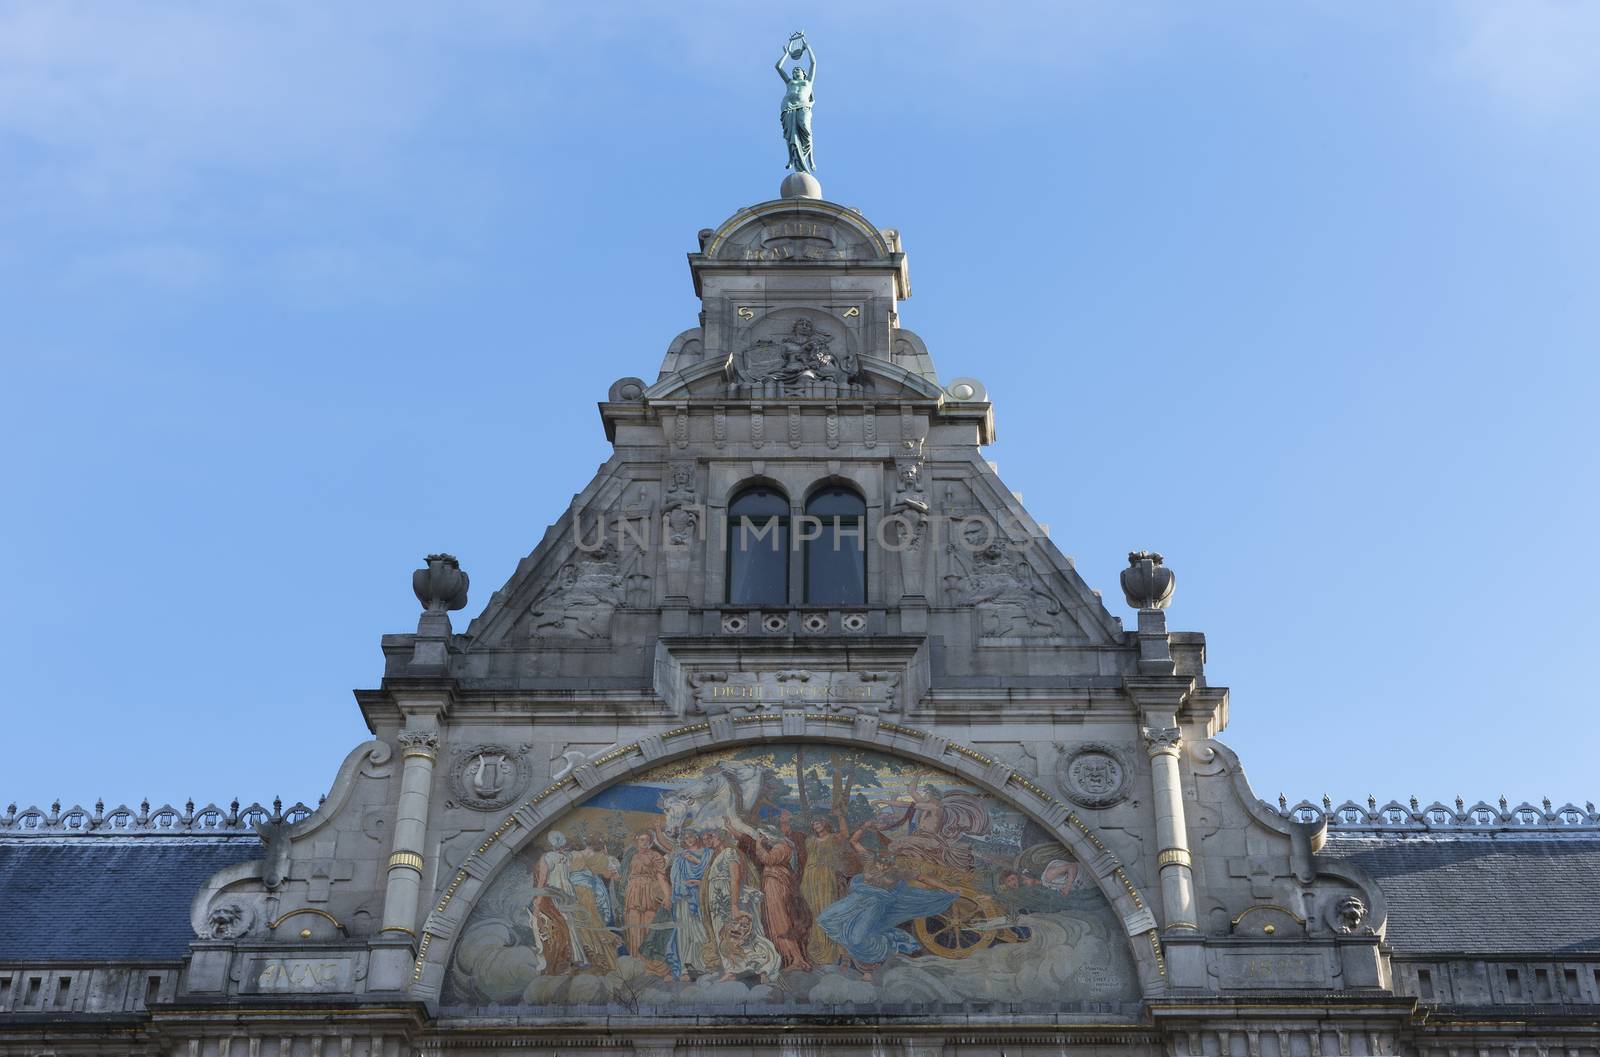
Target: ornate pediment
x=595, y=566
x=768, y=369
x=770, y=348
x=792, y=232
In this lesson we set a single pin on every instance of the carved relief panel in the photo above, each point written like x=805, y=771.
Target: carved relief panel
x=1002, y=581
x=796, y=352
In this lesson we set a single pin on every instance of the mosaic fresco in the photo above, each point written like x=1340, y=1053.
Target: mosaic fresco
x=791, y=878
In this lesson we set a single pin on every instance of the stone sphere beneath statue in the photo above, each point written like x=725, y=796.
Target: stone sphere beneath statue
x=800, y=185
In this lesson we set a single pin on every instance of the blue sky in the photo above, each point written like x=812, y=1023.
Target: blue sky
x=1300, y=295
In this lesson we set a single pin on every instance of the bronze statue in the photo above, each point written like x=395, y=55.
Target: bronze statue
x=797, y=100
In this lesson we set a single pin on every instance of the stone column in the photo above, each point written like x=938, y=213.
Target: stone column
x=1163, y=742
x=1159, y=692
x=418, y=749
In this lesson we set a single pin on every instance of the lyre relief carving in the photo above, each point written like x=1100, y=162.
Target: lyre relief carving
x=490, y=776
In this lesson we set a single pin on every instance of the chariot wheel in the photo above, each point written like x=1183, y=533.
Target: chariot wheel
x=960, y=931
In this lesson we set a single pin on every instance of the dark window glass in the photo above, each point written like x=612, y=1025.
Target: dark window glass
x=758, y=547
x=836, y=560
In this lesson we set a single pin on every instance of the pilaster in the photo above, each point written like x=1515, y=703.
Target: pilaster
x=1158, y=701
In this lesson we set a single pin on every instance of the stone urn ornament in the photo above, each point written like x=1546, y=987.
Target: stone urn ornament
x=442, y=586
x=1146, y=582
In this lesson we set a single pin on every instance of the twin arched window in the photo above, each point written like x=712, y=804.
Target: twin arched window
x=836, y=560
x=834, y=554
x=758, y=547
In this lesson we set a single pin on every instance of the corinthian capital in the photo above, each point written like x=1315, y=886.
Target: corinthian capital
x=1161, y=741
x=419, y=741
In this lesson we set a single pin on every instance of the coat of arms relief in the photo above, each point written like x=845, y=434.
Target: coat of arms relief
x=996, y=579
x=795, y=357
x=587, y=591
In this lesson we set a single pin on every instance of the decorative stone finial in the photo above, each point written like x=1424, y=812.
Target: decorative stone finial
x=442, y=586
x=800, y=185
x=1146, y=582
x=966, y=390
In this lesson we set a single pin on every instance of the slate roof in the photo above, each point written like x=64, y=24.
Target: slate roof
x=1501, y=893
x=107, y=899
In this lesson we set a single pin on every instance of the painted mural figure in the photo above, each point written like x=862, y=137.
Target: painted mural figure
x=555, y=935
x=796, y=877
x=686, y=875
x=742, y=949
x=866, y=922
x=1022, y=892
x=647, y=896
x=933, y=825
x=784, y=914
x=724, y=882
x=830, y=862
x=593, y=870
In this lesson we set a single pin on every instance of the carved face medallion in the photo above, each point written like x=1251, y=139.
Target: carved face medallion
x=1093, y=774
x=1097, y=775
x=1350, y=914
x=229, y=920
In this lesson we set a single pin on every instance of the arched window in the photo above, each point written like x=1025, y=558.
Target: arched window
x=758, y=547
x=836, y=560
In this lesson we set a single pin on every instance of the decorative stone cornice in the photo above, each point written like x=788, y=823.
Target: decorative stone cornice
x=164, y=821
x=1480, y=818
x=1158, y=693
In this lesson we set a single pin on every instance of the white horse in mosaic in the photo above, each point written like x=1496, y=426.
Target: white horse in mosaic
x=727, y=794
